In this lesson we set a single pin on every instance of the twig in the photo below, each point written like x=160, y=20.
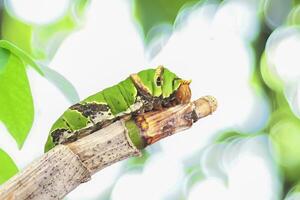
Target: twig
x=65, y=167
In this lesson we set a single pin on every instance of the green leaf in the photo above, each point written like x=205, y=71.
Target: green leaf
x=21, y=54
x=15, y=99
x=65, y=86
x=57, y=79
x=7, y=168
x=4, y=55
x=31, y=44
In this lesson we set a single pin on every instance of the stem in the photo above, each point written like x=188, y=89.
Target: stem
x=62, y=169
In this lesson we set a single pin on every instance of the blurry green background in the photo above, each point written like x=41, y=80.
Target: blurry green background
x=243, y=52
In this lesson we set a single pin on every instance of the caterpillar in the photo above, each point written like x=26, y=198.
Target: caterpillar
x=147, y=90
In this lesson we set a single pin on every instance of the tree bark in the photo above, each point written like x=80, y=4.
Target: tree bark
x=63, y=168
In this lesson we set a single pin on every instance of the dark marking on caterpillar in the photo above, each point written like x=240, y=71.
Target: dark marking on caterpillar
x=90, y=109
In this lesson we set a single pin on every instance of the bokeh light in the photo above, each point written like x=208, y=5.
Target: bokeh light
x=38, y=11
x=282, y=58
x=248, y=149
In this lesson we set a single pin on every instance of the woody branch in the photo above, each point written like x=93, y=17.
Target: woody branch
x=62, y=169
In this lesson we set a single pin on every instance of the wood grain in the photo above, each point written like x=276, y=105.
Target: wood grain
x=63, y=168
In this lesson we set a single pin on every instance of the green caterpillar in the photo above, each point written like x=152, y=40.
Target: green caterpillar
x=148, y=90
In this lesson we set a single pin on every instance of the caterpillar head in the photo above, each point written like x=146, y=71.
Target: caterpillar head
x=183, y=93
x=161, y=82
